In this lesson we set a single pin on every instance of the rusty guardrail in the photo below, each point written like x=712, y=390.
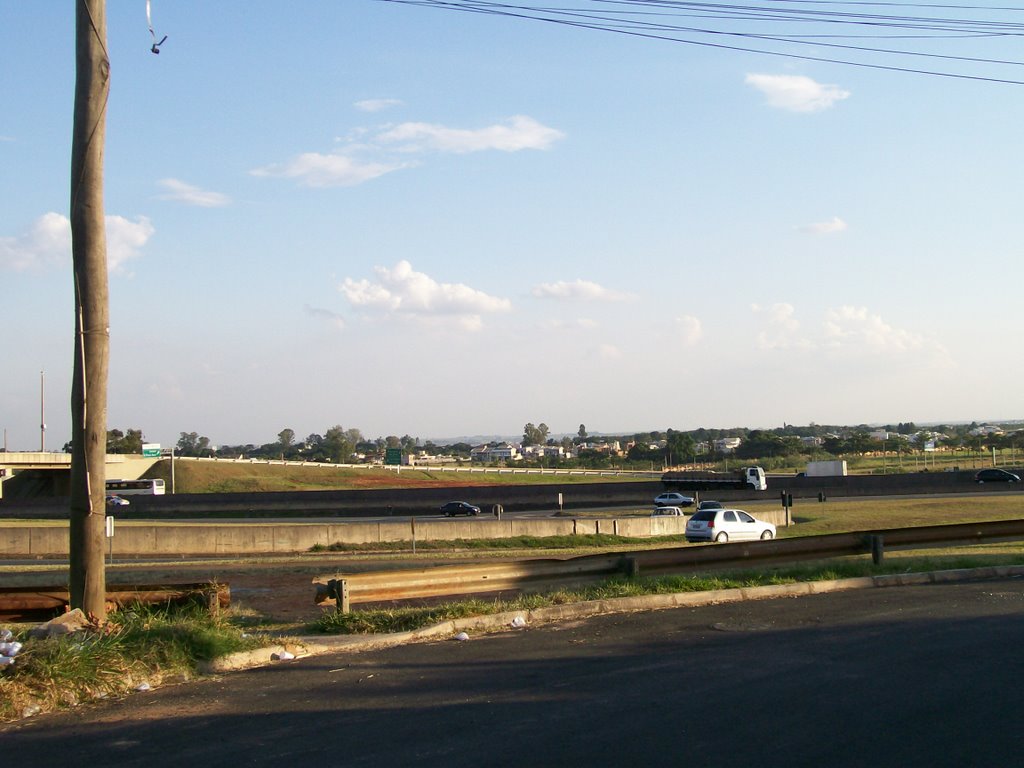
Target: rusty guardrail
x=31, y=603
x=347, y=589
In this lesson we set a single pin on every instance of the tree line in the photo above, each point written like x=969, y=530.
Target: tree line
x=669, y=447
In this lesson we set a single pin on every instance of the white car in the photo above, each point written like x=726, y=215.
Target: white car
x=723, y=525
x=667, y=512
x=673, y=499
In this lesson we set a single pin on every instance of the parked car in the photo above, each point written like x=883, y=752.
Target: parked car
x=710, y=505
x=673, y=499
x=996, y=476
x=113, y=500
x=723, y=525
x=667, y=512
x=453, y=508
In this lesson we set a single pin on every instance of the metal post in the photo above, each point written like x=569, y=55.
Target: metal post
x=877, y=549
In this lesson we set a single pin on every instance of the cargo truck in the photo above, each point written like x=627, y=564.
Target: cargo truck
x=825, y=469
x=748, y=477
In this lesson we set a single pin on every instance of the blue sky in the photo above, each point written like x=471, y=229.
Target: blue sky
x=413, y=221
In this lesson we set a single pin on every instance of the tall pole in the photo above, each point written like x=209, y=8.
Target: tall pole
x=87, y=577
x=42, y=411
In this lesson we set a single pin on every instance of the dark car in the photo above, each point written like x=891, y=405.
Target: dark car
x=996, y=476
x=453, y=508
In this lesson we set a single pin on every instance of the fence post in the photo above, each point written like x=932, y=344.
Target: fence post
x=338, y=589
x=877, y=549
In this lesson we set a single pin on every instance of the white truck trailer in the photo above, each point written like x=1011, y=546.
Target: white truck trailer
x=826, y=469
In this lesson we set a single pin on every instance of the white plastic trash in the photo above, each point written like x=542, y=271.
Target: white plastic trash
x=6, y=661
x=5, y=635
x=141, y=687
x=518, y=622
x=10, y=649
x=462, y=636
x=282, y=656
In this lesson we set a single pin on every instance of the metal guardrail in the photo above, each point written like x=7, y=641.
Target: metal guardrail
x=30, y=602
x=347, y=589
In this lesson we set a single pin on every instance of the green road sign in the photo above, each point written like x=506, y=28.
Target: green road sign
x=393, y=456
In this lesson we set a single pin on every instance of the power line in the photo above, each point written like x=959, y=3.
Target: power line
x=755, y=28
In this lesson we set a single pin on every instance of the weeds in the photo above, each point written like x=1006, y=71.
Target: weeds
x=141, y=645
x=407, y=619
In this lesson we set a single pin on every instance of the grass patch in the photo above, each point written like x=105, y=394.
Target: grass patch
x=141, y=645
x=407, y=619
x=570, y=542
x=231, y=477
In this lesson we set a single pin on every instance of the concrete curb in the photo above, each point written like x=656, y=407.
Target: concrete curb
x=312, y=645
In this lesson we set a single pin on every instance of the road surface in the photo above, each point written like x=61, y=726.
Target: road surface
x=912, y=676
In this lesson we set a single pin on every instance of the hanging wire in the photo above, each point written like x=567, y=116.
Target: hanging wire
x=792, y=28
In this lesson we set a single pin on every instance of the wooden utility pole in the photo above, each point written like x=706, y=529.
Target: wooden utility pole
x=92, y=315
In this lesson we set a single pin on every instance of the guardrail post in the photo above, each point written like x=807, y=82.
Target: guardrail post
x=877, y=549
x=630, y=567
x=338, y=589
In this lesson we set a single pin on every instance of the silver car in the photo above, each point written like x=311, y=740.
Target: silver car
x=723, y=525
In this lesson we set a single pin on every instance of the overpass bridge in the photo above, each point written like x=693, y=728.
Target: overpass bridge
x=54, y=469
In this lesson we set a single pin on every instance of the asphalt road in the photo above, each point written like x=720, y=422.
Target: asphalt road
x=913, y=676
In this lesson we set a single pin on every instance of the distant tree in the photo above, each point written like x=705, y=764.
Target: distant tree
x=535, y=435
x=124, y=442
x=192, y=444
x=392, y=441
x=286, y=437
x=582, y=433
x=336, y=445
x=678, y=446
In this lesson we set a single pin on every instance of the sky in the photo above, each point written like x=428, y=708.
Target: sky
x=408, y=220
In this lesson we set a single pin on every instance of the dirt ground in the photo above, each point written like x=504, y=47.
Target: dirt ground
x=282, y=594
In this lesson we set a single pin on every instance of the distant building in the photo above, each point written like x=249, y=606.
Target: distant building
x=727, y=444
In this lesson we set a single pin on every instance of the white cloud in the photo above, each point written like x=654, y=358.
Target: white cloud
x=402, y=291
x=577, y=324
x=48, y=242
x=780, y=327
x=833, y=225
x=796, y=93
x=325, y=314
x=376, y=105
x=690, y=329
x=187, y=193
x=125, y=239
x=334, y=170
x=348, y=165
x=847, y=333
x=517, y=133
x=856, y=327
x=578, y=289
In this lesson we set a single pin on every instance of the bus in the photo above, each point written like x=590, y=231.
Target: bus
x=129, y=487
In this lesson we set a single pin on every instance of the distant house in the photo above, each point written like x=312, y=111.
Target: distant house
x=727, y=444
x=543, y=451
x=489, y=453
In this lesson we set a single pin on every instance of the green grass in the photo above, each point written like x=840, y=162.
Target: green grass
x=229, y=477
x=569, y=542
x=141, y=645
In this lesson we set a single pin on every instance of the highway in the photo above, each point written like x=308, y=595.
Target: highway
x=913, y=676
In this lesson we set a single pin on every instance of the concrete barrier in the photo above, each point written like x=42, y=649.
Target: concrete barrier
x=168, y=540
